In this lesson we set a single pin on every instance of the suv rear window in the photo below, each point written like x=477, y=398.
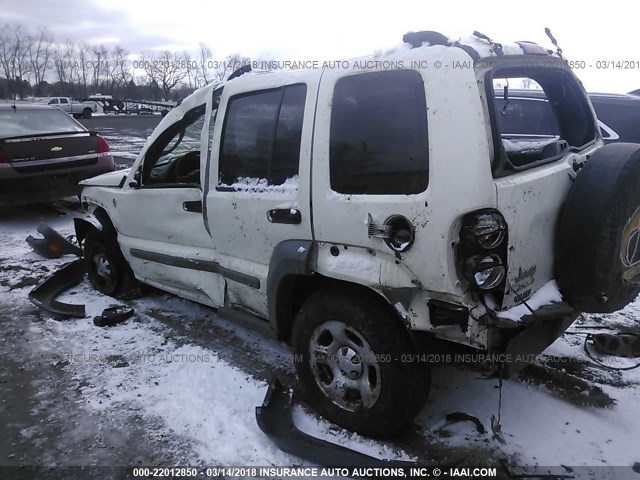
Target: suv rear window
x=379, y=134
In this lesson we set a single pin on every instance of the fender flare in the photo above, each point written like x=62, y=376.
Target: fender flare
x=82, y=225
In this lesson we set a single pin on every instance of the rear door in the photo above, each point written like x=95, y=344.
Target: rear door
x=393, y=143
x=259, y=191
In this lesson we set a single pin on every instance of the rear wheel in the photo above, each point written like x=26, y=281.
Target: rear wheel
x=108, y=271
x=351, y=357
x=86, y=113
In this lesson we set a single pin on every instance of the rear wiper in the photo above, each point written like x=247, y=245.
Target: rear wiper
x=505, y=97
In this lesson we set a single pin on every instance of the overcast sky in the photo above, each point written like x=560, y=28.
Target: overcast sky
x=329, y=29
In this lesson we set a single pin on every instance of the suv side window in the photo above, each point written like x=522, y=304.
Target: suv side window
x=378, y=141
x=261, y=137
x=174, y=158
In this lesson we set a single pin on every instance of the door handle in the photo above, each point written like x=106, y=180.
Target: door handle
x=290, y=216
x=194, y=206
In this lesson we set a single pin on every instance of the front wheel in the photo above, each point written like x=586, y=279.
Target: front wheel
x=351, y=357
x=106, y=267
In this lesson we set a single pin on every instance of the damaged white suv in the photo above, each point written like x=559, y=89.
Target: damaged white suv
x=360, y=210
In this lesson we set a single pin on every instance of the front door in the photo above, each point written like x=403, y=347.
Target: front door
x=161, y=227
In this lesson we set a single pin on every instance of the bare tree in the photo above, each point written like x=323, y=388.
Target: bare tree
x=98, y=65
x=14, y=54
x=122, y=66
x=204, y=74
x=39, y=55
x=6, y=51
x=190, y=70
x=163, y=70
x=83, y=71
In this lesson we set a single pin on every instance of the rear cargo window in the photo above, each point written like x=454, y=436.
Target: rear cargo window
x=379, y=134
x=539, y=114
x=261, y=137
x=36, y=121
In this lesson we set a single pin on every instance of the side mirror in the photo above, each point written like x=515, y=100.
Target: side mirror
x=135, y=183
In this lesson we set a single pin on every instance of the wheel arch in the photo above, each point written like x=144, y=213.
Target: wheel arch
x=98, y=218
x=292, y=279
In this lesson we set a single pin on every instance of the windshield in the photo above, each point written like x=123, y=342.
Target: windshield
x=19, y=122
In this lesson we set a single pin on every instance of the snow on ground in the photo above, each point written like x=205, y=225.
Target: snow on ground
x=200, y=378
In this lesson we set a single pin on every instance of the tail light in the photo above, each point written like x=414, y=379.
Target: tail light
x=485, y=271
x=103, y=147
x=483, y=252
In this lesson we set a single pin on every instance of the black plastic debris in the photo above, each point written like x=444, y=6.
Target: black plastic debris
x=52, y=245
x=275, y=420
x=112, y=316
x=44, y=294
x=620, y=344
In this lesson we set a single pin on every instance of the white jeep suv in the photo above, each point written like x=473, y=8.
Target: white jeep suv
x=361, y=210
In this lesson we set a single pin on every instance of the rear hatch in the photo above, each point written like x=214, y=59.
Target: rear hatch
x=539, y=142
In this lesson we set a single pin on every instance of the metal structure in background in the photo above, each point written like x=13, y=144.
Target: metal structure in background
x=129, y=106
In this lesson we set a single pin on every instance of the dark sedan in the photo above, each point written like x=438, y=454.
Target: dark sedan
x=44, y=153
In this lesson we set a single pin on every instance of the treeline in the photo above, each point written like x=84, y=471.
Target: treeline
x=34, y=64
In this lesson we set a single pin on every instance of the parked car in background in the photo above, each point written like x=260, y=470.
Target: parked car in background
x=44, y=153
x=77, y=109
x=528, y=112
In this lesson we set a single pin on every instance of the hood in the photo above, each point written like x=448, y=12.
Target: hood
x=110, y=179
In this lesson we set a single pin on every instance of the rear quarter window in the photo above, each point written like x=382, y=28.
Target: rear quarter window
x=378, y=136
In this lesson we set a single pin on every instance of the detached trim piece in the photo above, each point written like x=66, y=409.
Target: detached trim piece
x=44, y=294
x=196, y=264
x=53, y=245
x=275, y=419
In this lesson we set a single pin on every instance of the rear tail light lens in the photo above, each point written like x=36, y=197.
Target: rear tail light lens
x=485, y=271
x=485, y=229
x=103, y=147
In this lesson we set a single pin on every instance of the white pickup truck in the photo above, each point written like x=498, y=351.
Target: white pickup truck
x=77, y=109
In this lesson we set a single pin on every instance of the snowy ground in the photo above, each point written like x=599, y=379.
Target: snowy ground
x=177, y=384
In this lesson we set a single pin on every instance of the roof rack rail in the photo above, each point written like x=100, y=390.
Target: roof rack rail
x=241, y=71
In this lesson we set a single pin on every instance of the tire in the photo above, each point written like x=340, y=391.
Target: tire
x=106, y=267
x=363, y=345
x=87, y=113
x=598, y=237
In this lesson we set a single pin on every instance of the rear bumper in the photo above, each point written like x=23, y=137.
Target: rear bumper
x=21, y=189
x=537, y=333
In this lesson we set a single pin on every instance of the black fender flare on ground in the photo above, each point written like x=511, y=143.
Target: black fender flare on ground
x=598, y=234
x=44, y=294
x=275, y=419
